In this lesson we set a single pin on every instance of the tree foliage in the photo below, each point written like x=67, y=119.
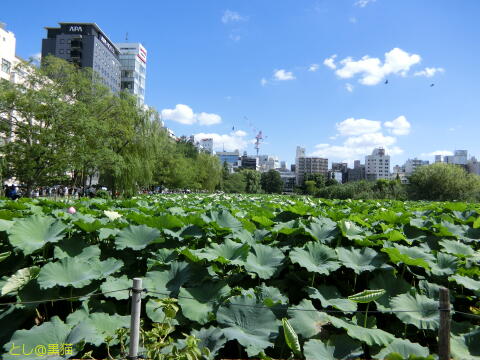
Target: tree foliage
x=271, y=182
x=62, y=125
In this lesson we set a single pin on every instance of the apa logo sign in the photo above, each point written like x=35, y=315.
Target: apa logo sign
x=75, y=28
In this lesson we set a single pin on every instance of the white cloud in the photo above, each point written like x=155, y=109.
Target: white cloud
x=208, y=119
x=437, y=152
x=184, y=114
x=372, y=71
x=330, y=62
x=353, y=126
x=283, y=75
x=352, y=19
x=313, y=67
x=232, y=16
x=360, y=137
x=399, y=126
x=429, y=71
x=349, y=87
x=363, y=3
x=229, y=142
x=263, y=81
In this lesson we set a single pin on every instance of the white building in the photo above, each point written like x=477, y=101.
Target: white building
x=7, y=53
x=266, y=162
x=133, y=60
x=412, y=164
x=206, y=145
x=377, y=165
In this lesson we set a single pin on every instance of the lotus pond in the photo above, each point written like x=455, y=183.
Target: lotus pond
x=238, y=265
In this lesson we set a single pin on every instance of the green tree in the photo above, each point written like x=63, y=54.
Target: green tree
x=235, y=183
x=252, y=181
x=444, y=182
x=271, y=182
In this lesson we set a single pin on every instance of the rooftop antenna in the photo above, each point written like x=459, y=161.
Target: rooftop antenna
x=126, y=36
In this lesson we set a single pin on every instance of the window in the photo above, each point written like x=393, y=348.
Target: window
x=6, y=66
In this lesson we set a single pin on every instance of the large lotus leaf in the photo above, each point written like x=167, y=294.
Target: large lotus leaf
x=112, y=286
x=306, y=320
x=393, y=286
x=316, y=257
x=105, y=233
x=360, y=260
x=417, y=310
x=136, y=237
x=88, y=223
x=366, y=335
x=415, y=252
x=403, y=347
x=211, y=338
x=227, y=252
x=53, y=332
x=466, y=346
x=397, y=257
x=350, y=230
x=247, y=322
x=264, y=260
x=270, y=296
x=32, y=233
x=322, y=229
x=337, y=348
x=167, y=283
x=98, y=326
x=76, y=272
x=161, y=257
x=330, y=296
x=198, y=303
x=19, y=279
x=71, y=247
x=223, y=220
x=457, y=248
x=5, y=225
x=466, y=282
x=445, y=265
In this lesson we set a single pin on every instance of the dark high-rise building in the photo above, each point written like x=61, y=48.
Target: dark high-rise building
x=85, y=45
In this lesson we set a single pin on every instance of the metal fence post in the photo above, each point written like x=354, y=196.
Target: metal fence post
x=444, y=328
x=135, y=319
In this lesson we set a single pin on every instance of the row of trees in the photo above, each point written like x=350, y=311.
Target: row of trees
x=62, y=125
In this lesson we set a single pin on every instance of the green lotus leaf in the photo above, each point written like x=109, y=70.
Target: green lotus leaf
x=457, y=248
x=403, y=347
x=397, y=257
x=53, y=332
x=445, y=265
x=360, y=260
x=466, y=346
x=306, y=320
x=161, y=284
x=330, y=296
x=336, y=348
x=5, y=225
x=322, y=229
x=114, y=284
x=466, y=282
x=227, y=252
x=32, y=233
x=98, y=326
x=262, y=220
x=223, y=219
x=264, y=260
x=199, y=303
x=105, y=233
x=316, y=257
x=19, y=279
x=71, y=247
x=5, y=255
x=212, y=338
x=366, y=335
x=76, y=272
x=89, y=224
x=393, y=286
x=241, y=319
x=367, y=296
x=417, y=310
x=270, y=296
x=136, y=237
x=350, y=230
x=291, y=337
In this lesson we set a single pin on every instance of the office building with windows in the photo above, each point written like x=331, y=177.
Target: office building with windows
x=133, y=60
x=85, y=45
x=7, y=52
x=377, y=165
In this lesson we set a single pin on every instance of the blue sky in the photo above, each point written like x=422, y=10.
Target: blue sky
x=309, y=73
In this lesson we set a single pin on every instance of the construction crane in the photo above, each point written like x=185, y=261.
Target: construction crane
x=258, y=140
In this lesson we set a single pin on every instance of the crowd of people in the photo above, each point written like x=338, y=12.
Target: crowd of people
x=14, y=192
